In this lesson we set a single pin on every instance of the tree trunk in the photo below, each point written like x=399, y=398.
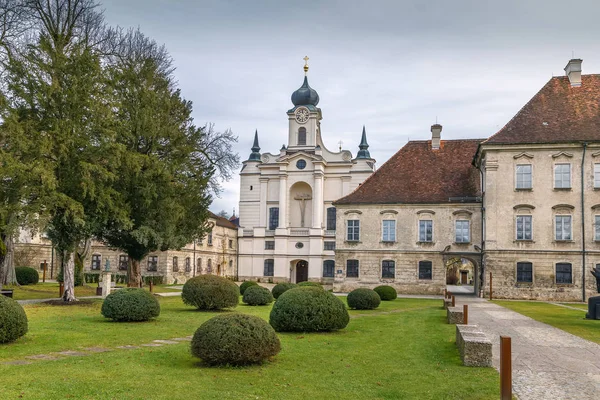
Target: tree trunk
x=9, y=262
x=69, y=278
x=80, y=257
x=134, y=273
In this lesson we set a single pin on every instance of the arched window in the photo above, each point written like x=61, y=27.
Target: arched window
x=302, y=136
x=175, y=264
x=188, y=265
x=209, y=266
x=199, y=266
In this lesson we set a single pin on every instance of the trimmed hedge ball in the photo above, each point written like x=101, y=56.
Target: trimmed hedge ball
x=280, y=288
x=13, y=320
x=308, y=309
x=257, y=296
x=386, y=292
x=310, y=284
x=245, y=285
x=363, y=299
x=210, y=292
x=27, y=275
x=235, y=339
x=130, y=304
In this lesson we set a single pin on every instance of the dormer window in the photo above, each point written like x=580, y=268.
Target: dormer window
x=302, y=136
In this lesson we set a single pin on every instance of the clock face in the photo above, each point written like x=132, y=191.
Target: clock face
x=302, y=115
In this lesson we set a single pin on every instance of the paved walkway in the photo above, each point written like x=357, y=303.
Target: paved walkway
x=548, y=363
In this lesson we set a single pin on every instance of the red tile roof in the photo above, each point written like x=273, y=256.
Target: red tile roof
x=220, y=221
x=558, y=113
x=416, y=174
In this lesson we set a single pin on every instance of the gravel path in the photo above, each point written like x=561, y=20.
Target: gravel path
x=548, y=363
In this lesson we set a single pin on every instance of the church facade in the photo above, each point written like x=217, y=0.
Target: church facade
x=287, y=221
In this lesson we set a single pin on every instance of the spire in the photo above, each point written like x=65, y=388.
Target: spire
x=363, y=146
x=255, y=155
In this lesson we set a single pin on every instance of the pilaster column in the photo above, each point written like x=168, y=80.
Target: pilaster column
x=283, y=189
x=264, y=182
x=317, y=213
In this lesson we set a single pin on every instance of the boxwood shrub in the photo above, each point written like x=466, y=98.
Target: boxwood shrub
x=282, y=287
x=130, y=304
x=210, y=292
x=257, y=296
x=13, y=320
x=308, y=309
x=235, y=339
x=386, y=292
x=245, y=285
x=27, y=275
x=363, y=299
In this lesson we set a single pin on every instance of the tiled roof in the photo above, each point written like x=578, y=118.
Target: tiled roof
x=222, y=221
x=558, y=113
x=416, y=174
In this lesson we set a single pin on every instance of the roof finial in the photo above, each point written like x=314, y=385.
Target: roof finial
x=255, y=155
x=305, y=65
x=363, y=146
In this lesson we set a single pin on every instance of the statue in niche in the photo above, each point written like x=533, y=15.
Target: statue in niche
x=302, y=198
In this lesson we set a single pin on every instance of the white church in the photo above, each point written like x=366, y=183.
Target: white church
x=287, y=221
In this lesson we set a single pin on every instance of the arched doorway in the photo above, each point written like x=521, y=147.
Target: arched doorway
x=301, y=271
x=460, y=275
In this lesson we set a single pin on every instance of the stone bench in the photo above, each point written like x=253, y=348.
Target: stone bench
x=455, y=315
x=7, y=292
x=474, y=347
x=447, y=303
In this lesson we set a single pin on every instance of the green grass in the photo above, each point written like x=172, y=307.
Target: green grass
x=403, y=350
x=47, y=291
x=567, y=319
x=581, y=306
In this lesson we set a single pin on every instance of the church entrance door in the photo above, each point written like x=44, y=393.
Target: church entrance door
x=301, y=271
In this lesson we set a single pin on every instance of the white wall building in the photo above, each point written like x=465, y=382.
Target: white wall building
x=287, y=221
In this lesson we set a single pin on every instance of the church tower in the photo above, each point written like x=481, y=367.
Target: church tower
x=287, y=222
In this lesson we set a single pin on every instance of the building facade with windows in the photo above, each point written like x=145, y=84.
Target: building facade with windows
x=541, y=181
x=287, y=220
x=404, y=224
x=214, y=254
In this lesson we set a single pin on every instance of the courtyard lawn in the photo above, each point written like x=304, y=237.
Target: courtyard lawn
x=48, y=290
x=567, y=319
x=403, y=350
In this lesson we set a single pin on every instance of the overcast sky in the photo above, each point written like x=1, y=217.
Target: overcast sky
x=393, y=66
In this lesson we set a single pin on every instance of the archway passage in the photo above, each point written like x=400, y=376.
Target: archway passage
x=301, y=271
x=460, y=276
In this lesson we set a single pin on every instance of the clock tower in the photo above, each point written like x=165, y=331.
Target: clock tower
x=305, y=117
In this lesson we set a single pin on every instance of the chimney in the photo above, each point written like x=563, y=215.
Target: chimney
x=436, y=135
x=573, y=70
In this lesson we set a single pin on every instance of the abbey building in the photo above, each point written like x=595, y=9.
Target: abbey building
x=287, y=221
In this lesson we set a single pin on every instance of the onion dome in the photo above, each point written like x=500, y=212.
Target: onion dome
x=305, y=95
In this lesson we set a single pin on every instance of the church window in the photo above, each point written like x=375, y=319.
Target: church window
x=328, y=245
x=209, y=266
x=123, y=262
x=524, y=227
x=426, y=230
x=563, y=227
x=462, y=231
x=328, y=268
x=351, y=268
x=524, y=176
x=597, y=228
x=331, y=214
x=564, y=273
x=188, y=264
x=524, y=272
x=231, y=244
x=597, y=176
x=389, y=230
x=300, y=164
x=425, y=270
x=152, y=263
x=273, y=218
x=353, y=234
x=175, y=265
x=96, y=261
x=210, y=238
x=269, y=267
x=269, y=245
x=388, y=269
x=199, y=265
x=562, y=176
x=302, y=136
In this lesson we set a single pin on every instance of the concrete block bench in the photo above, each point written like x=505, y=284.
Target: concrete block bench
x=474, y=347
x=455, y=315
x=447, y=303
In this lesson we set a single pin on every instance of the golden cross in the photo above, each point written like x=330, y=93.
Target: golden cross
x=305, y=64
